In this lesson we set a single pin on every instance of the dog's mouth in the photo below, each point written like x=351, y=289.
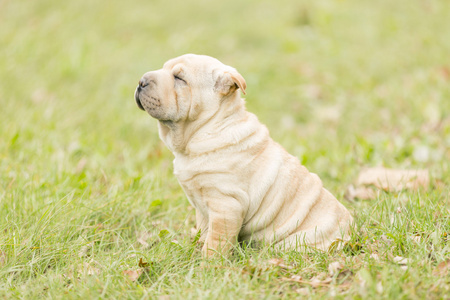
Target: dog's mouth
x=136, y=97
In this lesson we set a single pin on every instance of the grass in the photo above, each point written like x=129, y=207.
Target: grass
x=86, y=187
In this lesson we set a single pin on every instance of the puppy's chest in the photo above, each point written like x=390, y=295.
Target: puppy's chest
x=198, y=174
x=194, y=169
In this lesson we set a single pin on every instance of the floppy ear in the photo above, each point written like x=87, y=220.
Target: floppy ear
x=229, y=81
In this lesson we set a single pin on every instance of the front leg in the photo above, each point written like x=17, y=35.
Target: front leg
x=225, y=219
x=202, y=225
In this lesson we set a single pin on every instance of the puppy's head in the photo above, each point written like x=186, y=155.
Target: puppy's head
x=186, y=87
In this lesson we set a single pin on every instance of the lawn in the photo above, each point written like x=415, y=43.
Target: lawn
x=89, y=207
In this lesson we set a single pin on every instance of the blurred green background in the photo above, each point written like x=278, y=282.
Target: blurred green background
x=324, y=75
x=341, y=84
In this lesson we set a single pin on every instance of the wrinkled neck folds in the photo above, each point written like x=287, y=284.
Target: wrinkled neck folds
x=178, y=135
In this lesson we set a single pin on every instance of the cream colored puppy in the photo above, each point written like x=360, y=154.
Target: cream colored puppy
x=242, y=184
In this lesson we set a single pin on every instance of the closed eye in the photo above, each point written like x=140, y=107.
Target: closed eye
x=179, y=78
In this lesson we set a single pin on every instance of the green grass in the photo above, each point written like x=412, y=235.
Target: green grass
x=84, y=178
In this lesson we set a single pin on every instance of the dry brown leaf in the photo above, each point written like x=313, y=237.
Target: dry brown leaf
x=91, y=270
x=312, y=91
x=142, y=242
x=288, y=122
x=2, y=258
x=375, y=256
x=360, y=192
x=81, y=165
x=132, y=275
x=335, y=268
x=444, y=71
x=387, y=240
x=278, y=262
x=400, y=260
x=303, y=291
x=297, y=277
x=329, y=113
x=146, y=239
x=142, y=264
x=379, y=287
x=316, y=282
x=417, y=238
x=193, y=232
x=85, y=250
x=443, y=268
x=41, y=95
x=145, y=235
x=393, y=180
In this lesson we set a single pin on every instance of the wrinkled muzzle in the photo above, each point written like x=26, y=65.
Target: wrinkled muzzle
x=136, y=97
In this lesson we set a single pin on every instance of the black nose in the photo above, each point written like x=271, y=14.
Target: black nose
x=136, y=97
x=142, y=83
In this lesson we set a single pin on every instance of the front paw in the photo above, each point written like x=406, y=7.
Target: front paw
x=208, y=252
x=216, y=249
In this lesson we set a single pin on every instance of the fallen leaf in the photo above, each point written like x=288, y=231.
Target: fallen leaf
x=387, y=240
x=142, y=264
x=2, y=258
x=417, y=238
x=142, y=242
x=328, y=113
x=303, y=291
x=85, y=249
x=360, y=192
x=400, y=260
x=163, y=233
x=312, y=91
x=335, y=268
x=379, y=287
x=278, y=262
x=81, y=165
x=193, y=232
x=443, y=268
x=40, y=95
x=147, y=238
x=445, y=72
x=393, y=180
x=374, y=256
x=156, y=223
x=336, y=245
x=316, y=282
x=132, y=275
x=91, y=270
x=421, y=153
x=296, y=277
x=288, y=122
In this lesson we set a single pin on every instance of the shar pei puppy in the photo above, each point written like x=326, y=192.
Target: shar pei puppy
x=242, y=184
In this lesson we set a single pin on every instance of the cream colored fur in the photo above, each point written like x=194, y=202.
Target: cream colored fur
x=242, y=184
